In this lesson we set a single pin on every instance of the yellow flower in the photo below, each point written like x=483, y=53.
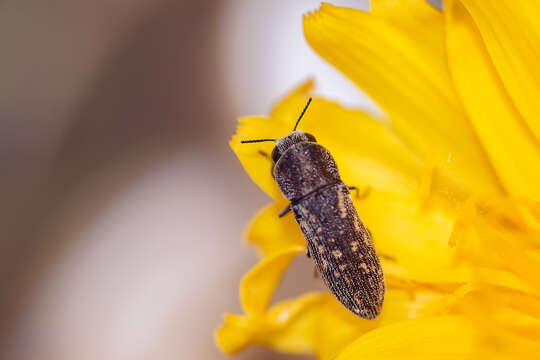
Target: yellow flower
x=454, y=176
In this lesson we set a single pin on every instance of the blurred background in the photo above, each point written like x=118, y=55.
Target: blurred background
x=122, y=207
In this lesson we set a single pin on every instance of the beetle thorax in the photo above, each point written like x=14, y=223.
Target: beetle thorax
x=287, y=141
x=303, y=168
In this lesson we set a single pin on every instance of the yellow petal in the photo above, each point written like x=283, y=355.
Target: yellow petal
x=272, y=234
x=345, y=132
x=307, y=331
x=511, y=146
x=235, y=333
x=353, y=136
x=258, y=285
x=368, y=154
x=301, y=325
x=238, y=331
x=341, y=130
x=416, y=238
x=495, y=299
x=256, y=157
x=510, y=31
x=508, y=249
x=444, y=337
x=413, y=17
x=508, y=321
x=409, y=79
x=288, y=109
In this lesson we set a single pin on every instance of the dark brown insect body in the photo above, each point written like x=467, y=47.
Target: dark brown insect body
x=337, y=240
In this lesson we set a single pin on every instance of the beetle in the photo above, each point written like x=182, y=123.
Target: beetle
x=337, y=240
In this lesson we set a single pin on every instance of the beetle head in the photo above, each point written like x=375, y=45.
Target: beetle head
x=287, y=141
x=297, y=136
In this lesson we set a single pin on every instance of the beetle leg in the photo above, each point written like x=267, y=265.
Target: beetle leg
x=352, y=187
x=388, y=257
x=359, y=195
x=263, y=153
x=382, y=255
x=385, y=256
x=315, y=271
x=285, y=211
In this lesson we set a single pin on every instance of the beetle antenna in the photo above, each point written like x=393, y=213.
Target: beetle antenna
x=302, y=114
x=255, y=141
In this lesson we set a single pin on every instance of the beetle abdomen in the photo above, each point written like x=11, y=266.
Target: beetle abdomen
x=342, y=248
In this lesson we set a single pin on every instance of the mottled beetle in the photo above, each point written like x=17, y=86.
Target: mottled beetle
x=337, y=240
